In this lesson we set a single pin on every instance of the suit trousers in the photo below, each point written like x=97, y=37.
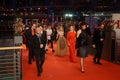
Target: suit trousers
x=40, y=58
x=98, y=53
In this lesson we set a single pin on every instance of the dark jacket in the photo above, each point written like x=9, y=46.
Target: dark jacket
x=83, y=39
x=39, y=40
x=88, y=31
x=29, y=36
x=97, y=35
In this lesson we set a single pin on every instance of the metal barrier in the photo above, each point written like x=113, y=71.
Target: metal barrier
x=10, y=63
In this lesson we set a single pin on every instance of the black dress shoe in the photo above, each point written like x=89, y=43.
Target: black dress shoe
x=99, y=63
x=94, y=60
x=33, y=59
x=29, y=62
x=39, y=74
x=53, y=51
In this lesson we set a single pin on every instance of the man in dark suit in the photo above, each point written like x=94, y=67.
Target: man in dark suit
x=29, y=33
x=97, y=43
x=39, y=43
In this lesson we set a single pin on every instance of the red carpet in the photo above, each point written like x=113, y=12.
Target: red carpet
x=60, y=68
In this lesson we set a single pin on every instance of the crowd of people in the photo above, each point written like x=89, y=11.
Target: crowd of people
x=69, y=38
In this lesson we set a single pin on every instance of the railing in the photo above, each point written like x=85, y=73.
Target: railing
x=10, y=63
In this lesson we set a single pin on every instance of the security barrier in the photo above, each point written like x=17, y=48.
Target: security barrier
x=10, y=63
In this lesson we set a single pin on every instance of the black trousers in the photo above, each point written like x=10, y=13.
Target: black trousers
x=98, y=53
x=31, y=53
x=51, y=42
x=39, y=58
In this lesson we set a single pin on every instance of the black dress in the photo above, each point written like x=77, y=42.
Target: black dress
x=82, y=43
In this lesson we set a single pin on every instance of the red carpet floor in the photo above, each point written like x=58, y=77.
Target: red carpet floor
x=60, y=68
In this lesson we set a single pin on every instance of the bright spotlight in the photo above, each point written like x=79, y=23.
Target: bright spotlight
x=68, y=15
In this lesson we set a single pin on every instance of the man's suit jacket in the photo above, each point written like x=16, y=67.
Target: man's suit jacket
x=97, y=35
x=39, y=40
x=29, y=36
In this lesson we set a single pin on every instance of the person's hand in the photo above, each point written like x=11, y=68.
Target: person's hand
x=93, y=46
x=68, y=44
x=101, y=39
x=41, y=46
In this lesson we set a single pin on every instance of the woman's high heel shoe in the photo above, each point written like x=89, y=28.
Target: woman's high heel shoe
x=82, y=70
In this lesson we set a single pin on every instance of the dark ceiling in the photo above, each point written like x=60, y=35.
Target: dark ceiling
x=79, y=4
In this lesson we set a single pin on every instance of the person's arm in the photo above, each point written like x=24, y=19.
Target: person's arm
x=94, y=38
x=44, y=39
x=68, y=38
x=57, y=35
x=78, y=33
x=27, y=34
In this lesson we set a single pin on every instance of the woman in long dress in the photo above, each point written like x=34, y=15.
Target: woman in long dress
x=82, y=44
x=61, y=45
x=71, y=41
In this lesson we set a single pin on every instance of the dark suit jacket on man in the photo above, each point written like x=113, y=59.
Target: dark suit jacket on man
x=97, y=35
x=37, y=41
x=28, y=34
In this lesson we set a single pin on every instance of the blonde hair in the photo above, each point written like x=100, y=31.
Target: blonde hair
x=60, y=28
x=72, y=26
